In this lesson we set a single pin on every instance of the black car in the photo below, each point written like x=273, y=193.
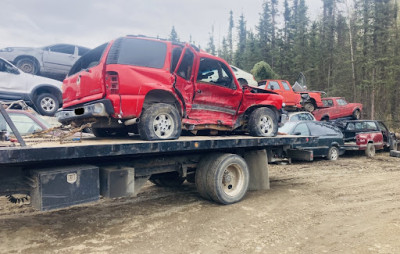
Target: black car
x=330, y=138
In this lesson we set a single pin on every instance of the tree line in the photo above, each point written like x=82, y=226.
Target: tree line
x=350, y=50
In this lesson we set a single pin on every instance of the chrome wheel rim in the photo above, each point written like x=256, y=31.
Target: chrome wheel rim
x=163, y=125
x=266, y=125
x=47, y=104
x=334, y=154
x=233, y=180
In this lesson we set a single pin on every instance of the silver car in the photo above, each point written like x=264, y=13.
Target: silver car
x=55, y=59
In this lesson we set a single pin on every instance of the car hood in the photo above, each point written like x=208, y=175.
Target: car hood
x=40, y=80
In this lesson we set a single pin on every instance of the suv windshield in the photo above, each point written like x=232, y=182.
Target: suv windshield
x=138, y=52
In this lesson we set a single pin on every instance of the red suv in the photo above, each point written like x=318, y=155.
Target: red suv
x=158, y=87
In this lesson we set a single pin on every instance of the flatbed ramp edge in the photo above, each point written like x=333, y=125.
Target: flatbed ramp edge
x=57, y=175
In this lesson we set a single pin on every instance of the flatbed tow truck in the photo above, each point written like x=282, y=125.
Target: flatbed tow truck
x=58, y=175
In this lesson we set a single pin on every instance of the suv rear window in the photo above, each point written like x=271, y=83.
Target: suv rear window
x=138, y=52
x=90, y=59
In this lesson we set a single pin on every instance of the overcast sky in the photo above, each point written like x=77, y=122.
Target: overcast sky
x=89, y=23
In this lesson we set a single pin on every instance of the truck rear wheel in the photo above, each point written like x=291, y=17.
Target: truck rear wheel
x=223, y=178
x=160, y=121
x=263, y=123
x=370, y=151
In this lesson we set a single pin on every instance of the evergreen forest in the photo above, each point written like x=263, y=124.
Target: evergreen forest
x=351, y=49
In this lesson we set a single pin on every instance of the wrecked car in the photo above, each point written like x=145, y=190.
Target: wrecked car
x=330, y=139
x=43, y=94
x=55, y=59
x=293, y=99
x=158, y=87
x=337, y=107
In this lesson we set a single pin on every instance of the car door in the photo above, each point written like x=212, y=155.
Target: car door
x=184, y=76
x=217, y=98
x=59, y=58
x=291, y=98
x=342, y=109
x=327, y=135
x=13, y=84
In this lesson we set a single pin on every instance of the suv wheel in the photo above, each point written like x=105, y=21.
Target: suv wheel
x=309, y=106
x=263, y=123
x=28, y=65
x=160, y=121
x=47, y=104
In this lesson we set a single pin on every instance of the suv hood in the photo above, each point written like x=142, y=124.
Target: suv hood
x=40, y=80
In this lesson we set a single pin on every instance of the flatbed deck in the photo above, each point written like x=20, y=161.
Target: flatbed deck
x=92, y=148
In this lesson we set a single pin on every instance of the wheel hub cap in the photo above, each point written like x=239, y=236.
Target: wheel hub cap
x=232, y=180
x=163, y=125
x=47, y=104
x=266, y=124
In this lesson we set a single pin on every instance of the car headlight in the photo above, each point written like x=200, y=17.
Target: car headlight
x=283, y=105
x=6, y=50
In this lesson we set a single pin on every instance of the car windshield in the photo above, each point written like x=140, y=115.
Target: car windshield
x=287, y=127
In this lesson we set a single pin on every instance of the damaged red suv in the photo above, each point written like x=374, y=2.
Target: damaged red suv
x=158, y=88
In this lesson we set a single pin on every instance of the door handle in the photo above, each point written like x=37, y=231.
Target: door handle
x=198, y=91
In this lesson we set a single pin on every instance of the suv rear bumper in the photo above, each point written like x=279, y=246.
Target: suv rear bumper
x=100, y=108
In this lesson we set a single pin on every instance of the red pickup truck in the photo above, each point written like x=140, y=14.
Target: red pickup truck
x=364, y=136
x=293, y=99
x=158, y=88
x=337, y=107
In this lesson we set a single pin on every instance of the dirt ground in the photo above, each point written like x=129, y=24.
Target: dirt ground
x=348, y=206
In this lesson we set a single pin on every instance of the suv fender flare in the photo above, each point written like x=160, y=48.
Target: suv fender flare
x=161, y=96
x=45, y=88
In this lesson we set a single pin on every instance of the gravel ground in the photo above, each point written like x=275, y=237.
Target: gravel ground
x=348, y=206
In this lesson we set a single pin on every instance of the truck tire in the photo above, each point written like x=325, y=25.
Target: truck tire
x=370, y=151
x=201, y=174
x=263, y=123
x=333, y=153
x=309, y=106
x=357, y=114
x=170, y=179
x=47, y=104
x=109, y=132
x=160, y=121
x=28, y=65
x=227, y=179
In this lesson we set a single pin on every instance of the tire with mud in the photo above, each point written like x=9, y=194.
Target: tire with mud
x=47, y=104
x=333, y=153
x=370, y=151
x=263, y=123
x=28, y=65
x=160, y=121
x=223, y=178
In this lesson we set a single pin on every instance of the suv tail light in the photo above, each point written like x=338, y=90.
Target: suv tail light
x=112, y=82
